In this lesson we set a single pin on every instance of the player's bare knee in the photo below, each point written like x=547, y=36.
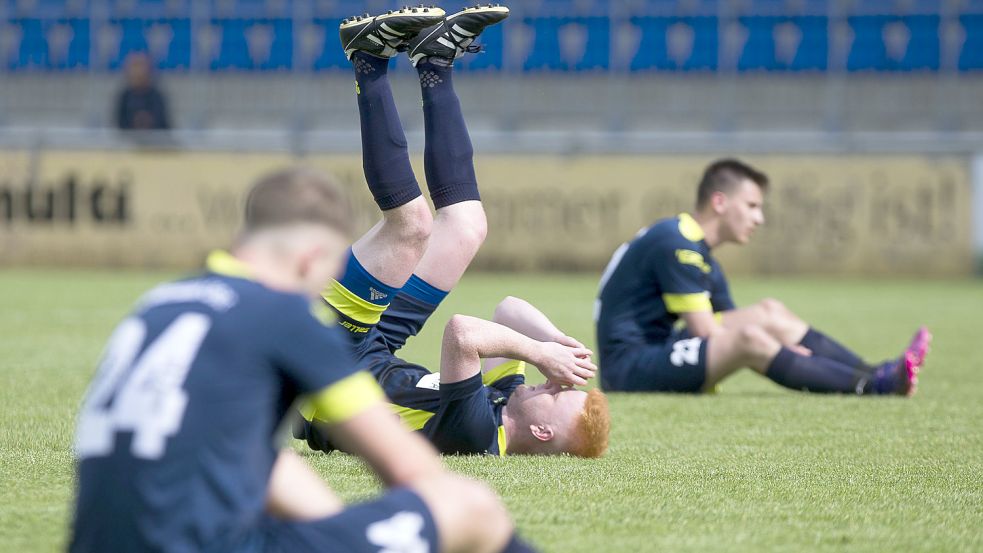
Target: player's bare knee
x=478, y=502
x=754, y=341
x=412, y=223
x=460, y=331
x=468, y=222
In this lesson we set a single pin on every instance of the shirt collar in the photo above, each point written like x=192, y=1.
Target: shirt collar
x=689, y=228
x=223, y=263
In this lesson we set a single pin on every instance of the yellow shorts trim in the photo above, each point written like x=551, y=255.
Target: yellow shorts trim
x=414, y=419
x=509, y=368
x=344, y=399
x=687, y=303
x=350, y=305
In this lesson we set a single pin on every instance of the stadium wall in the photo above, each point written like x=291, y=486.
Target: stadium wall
x=836, y=215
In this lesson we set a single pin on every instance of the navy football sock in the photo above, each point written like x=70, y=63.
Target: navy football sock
x=822, y=345
x=516, y=545
x=385, y=158
x=449, y=155
x=816, y=374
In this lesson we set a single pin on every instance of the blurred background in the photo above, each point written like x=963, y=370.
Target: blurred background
x=130, y=128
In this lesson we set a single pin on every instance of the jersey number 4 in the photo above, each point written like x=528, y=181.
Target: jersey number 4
x=142, y=394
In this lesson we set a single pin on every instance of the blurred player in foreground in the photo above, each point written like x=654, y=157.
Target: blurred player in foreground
x=400, y=271
x=176, y=440
x=666, y=276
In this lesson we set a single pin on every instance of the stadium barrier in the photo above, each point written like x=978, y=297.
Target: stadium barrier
x=842, y=215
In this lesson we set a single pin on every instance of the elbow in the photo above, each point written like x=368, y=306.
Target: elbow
x=506, y=309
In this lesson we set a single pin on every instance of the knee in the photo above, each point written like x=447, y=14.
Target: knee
x=467, y=221
x=754, y=340
x=475, y=501
x=412, y=223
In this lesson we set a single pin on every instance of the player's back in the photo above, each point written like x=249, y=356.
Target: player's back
x=664, y=264
x=175, y=438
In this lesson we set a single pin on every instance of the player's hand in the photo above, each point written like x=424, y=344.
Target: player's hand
x=565, y=365
x=569, y=341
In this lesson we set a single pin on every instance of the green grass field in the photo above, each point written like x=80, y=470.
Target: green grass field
x=754, y=468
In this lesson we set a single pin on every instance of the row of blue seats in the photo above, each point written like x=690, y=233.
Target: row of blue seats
x=701, y=43
x=344, y=8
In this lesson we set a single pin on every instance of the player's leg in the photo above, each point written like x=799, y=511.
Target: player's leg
x=789, y=329
x=383, y=259
x=460, y=226
x=754, y=347
x=447, y=513
x=391, y=249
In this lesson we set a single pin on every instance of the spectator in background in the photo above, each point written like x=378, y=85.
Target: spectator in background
x=141, y=106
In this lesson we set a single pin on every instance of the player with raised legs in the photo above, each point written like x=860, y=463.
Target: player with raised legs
x=666, y=321
x=176, y=440
x=401, y=270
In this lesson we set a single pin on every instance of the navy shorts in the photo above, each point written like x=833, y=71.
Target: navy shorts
x=677, y=365
x=398, y=521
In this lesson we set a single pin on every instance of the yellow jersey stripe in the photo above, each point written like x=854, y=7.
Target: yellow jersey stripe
x=223, y=263
x=687, y=303
x=344, y=399
x=502, y=441
x=508, y=368
x=415, y=419
x=350, y=305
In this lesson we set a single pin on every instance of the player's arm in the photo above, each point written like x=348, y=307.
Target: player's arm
x=360, y=422
x=296, y=492
x=700, y=324
x=467, y=340
x=524, y=318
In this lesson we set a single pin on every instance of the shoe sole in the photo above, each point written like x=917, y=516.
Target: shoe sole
x=919, y=347
x=466, y=11
x=437, y=13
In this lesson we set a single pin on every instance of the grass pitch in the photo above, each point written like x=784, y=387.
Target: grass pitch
x=754, y=468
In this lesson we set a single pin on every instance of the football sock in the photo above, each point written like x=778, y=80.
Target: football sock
x=448, y=156
x=359, y=298
x=385, y=158
x=816, y=374
x=516, y=545
x=822, y=345
x=409, y=311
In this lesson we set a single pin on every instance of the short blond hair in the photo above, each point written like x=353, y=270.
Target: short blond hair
x=590, y=434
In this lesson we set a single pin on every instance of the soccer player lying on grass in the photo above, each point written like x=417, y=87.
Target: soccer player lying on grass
x=666, y=276
x=176, y=439
x=400, y=271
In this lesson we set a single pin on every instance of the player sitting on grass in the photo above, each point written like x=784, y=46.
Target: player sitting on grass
x=400, y=271
x=666, y=275
x=176, y=439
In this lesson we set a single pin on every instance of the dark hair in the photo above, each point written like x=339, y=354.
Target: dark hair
x=723, y=176
x=297, y=195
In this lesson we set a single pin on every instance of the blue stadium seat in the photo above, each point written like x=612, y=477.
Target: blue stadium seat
x=805, y=49
x=916, y=46
x=695, y=50
x=569, y=43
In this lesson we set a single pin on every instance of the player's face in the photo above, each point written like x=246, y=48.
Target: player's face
x=550, y=404
x=744, y=212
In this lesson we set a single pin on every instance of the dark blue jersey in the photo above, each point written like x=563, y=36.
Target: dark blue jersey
x=666, y=270
x=175, y=440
